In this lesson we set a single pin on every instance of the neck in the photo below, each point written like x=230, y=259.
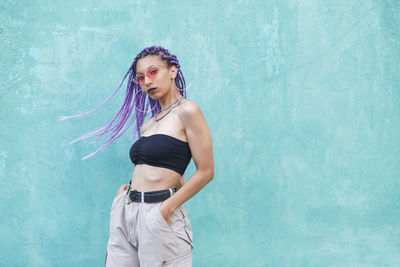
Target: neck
x=169, y=98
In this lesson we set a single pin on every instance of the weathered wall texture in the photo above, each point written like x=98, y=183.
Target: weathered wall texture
x=302, y=98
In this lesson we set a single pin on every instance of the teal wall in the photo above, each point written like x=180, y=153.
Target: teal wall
x=302, y=98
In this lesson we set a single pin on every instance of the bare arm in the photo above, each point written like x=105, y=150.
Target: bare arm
x=200, y=142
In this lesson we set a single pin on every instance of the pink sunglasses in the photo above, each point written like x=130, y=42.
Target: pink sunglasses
x=151, y=73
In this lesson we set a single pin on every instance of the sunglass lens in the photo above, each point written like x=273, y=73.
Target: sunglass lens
x=139, y=80
x=152, y=73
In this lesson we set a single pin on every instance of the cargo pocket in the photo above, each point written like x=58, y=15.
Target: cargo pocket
x=178, y=259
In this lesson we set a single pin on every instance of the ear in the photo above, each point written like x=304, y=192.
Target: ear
x=173, y=71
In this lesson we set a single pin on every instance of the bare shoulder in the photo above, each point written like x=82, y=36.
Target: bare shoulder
x=192, y=116
x=199, y=136
x=189, y=109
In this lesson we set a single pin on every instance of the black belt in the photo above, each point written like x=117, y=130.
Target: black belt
x=148, y=197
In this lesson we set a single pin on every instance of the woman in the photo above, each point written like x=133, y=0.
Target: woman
x=148, y=224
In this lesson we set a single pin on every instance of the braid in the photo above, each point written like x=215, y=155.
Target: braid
x=133, y=101
x=170, y=60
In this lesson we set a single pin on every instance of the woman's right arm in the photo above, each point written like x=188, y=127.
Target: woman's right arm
x=122, y=188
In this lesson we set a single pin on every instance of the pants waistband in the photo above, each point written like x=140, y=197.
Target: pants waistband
x=150, y=196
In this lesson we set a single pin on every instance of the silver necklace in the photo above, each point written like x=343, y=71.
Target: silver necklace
x=170, y=106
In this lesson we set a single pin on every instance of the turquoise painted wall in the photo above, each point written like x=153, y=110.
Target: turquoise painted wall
x=302, y=98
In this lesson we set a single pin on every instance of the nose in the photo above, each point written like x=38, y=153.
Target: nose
x=147, y=80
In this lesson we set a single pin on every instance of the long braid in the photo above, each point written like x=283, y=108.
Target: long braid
x=129, y=104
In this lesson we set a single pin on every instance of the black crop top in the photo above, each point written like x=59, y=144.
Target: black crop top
x=161, y=150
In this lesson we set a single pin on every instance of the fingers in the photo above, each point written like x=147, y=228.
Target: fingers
x=124, y=186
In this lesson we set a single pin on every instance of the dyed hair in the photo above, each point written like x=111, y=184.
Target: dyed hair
x=138, y=103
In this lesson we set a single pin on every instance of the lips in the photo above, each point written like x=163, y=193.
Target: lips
x=152, y=89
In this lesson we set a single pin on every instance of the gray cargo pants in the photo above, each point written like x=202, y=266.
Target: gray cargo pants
x=140, y=236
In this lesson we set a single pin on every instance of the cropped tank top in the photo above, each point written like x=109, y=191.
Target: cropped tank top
x=161, y=150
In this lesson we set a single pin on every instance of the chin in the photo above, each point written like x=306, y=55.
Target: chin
x=154, y=97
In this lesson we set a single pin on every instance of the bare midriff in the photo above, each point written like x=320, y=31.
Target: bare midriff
x=150, y=178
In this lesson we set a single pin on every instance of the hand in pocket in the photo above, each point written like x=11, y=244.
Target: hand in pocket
x=165, y=213
x=122, y=188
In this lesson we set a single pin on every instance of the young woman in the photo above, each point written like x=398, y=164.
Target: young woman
x=148, y=224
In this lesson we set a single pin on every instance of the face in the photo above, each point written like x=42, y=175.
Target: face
x=152, y=72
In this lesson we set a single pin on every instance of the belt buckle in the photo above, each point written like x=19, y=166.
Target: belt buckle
x=128, y=199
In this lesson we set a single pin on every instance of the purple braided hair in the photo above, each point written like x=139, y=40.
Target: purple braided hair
x=139, y=101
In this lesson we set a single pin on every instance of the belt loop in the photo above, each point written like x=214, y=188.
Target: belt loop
x=170, y=191
x=142, y=193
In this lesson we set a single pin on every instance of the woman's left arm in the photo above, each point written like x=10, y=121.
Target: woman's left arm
x=200, y=142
